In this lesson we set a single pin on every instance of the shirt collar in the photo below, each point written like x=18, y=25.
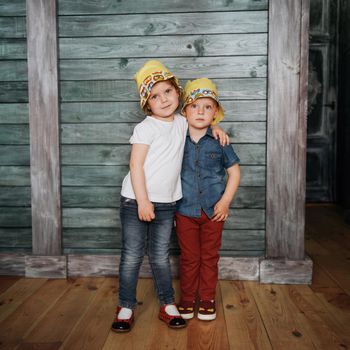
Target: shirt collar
x=208, y=133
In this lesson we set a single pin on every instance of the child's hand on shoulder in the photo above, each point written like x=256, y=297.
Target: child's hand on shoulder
x=221, y=210
x=220, y=134
x=146, y=210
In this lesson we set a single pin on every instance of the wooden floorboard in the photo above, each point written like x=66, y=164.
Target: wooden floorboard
x=335, y=302
x=280, y=318
x=14, y=296
x=77, y=313
x=244, y=325
x=206, y=335
x=161, y=336
x=325, y=334
x=326, y=229
x=6, y=282
x=93, y=327
x=61, y=319
x=20, y=322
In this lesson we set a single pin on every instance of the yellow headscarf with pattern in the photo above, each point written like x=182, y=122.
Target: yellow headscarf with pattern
x=150, y=73
x=199, y=88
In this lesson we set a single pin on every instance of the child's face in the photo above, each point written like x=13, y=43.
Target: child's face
x=201, y=112
x=163, y=100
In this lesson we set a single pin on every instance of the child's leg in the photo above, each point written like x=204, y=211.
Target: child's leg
x=210, y=242
x=158, y=250
x=160, y=230
x=134, y=234
x=188, y=230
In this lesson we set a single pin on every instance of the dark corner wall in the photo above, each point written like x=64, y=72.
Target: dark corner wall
x=344, y=109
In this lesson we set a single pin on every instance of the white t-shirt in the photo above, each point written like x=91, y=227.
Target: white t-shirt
x=163, y=162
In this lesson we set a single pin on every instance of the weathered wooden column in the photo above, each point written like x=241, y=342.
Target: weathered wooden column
x=44, y=140
x=286, y=143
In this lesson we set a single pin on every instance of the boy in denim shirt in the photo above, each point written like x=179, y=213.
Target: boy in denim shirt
x=206, y=199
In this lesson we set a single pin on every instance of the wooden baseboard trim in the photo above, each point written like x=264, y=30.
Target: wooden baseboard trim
x=40, y=266
x=12, y=264
x=277, y=271
x=92, y=265
x=246, y=269
x=282, y=271
x=107, y=265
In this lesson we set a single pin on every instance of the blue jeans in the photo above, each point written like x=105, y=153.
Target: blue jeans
x=138, y=235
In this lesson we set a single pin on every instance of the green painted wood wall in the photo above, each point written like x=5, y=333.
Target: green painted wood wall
x=101, y=45
x=15, y=210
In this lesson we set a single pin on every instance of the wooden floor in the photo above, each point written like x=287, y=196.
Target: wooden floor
x=76, y=314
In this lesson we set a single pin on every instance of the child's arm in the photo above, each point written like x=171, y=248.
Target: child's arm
x=221, y=208
x=220, y=134
x=137, y=160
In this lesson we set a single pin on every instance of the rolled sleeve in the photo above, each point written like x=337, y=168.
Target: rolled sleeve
x=230, y=156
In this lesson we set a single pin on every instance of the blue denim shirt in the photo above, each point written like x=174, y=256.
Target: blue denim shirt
x=203, y=175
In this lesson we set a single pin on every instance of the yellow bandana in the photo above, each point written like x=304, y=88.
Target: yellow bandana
x=199, y=88
x=150, y=73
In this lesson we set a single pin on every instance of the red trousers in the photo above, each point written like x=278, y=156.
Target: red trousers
x=200, y=241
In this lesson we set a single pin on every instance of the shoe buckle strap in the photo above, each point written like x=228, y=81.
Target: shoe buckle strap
x=204, y=309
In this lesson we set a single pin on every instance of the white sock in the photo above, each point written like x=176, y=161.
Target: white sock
x=124, y=313
x=172, y=310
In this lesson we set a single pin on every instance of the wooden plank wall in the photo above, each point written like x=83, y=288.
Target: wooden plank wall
x=15, y=211
x=101, y=45
x=44, y=126
x=286, y=133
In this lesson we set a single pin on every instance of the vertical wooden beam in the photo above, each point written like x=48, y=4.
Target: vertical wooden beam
x=44, y=126
x=286, y=128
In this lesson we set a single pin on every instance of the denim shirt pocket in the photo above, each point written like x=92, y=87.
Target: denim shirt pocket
x=213, y=159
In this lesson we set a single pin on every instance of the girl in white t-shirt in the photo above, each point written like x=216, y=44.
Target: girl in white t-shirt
x=149, y=194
